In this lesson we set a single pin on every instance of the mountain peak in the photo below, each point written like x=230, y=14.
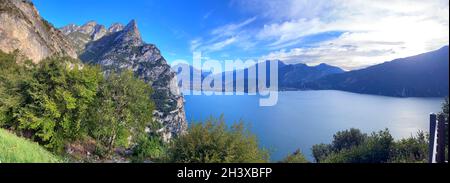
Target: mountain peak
x=116, y=27
x=131, y=35
x=90, y=23
x=132, y=25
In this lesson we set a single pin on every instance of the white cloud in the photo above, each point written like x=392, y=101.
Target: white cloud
x=195, y=43
x=231, y=29
x=208, y=14
x=224, y=36
x=221, y=44
x=376, y=31
x=373, y=31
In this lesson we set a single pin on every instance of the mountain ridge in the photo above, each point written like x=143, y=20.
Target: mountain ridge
x=423, y=75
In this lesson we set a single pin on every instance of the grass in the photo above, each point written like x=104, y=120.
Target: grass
x=14, y=149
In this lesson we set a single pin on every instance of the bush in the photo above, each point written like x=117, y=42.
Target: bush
x=374, y=149
x=296, y=157
x=347, y=139
x=49, y=101
x=214, y=142
x=60, y=100
x=321, y=151
x=149, y=149
x=411, y=150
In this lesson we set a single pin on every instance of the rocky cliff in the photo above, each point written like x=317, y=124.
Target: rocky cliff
x=121, y=47
x=23, y=29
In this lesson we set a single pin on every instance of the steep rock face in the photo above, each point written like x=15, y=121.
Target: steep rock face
x=115, y=28
x=91, y=31
x=22, y=28
x=123, y=48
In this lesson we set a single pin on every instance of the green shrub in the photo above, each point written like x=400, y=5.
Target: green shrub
x=347, y=139
x=374, y=149
x=56, y=101
x=60, y=100
x=321, y=151
x=411, y=150
x=214, y=142
x=149, y=149
x=296, y=157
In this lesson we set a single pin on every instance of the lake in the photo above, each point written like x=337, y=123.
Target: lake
x=304, y=118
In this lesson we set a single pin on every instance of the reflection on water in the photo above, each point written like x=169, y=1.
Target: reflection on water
x=304, y=118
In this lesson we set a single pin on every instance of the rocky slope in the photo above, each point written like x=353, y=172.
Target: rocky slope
x=23, y=29
x=121, y=47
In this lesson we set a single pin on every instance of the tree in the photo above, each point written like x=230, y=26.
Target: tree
x=411, y=150
x=149, y=148
x=296, y=157
x=374, y=149
x=347, y=139
x=445, y=111
x=60, y=101
x=123, y=109
x=321, y=151
x=12, y=76
x=56, y=101
x=215, y=142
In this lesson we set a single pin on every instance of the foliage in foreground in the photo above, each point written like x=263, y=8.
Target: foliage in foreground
x=445, y=112
x=296, y=157
x=353, y=146
x=149, y=149
x=60, y=101
x=378, y=147
x=214, y=142
x=14, y=149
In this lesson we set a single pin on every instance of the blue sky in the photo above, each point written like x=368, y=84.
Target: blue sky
x=350, y=34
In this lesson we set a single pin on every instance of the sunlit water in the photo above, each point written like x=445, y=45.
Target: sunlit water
x=304, y=118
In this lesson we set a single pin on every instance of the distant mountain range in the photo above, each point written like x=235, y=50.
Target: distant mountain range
x=297, y=76
x=424, y=75
x=291, y=76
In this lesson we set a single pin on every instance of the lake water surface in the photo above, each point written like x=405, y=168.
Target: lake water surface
x=304, y=118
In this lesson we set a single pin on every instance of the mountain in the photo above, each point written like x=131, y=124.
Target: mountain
x=424, y=75
x=22, y=28
x=192, y=72
x=122, y=47
x=290, y=76
x=295, y=76
x=91, y=31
